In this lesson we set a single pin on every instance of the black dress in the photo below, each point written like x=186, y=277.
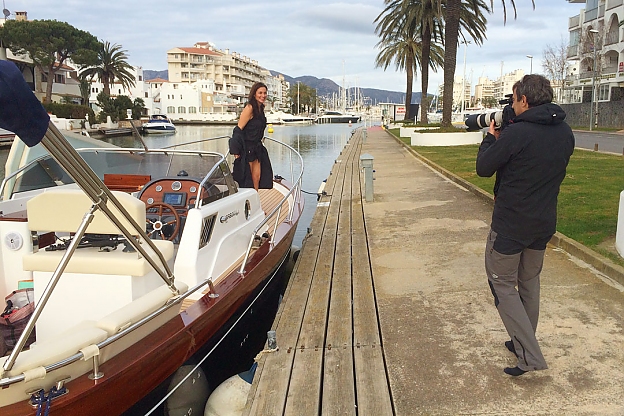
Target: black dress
x=254, y=132
x=248, y=144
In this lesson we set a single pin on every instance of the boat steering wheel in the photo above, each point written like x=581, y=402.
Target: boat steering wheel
x=163, y=221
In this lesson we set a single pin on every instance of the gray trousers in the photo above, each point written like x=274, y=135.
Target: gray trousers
x=518, y=308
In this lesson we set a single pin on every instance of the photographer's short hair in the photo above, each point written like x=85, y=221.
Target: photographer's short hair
x=535, y=88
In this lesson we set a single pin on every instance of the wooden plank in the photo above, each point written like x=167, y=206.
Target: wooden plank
x=373, y=391
x=365, y=321
x=272, y=379
x=275, y=372
x=315, y=319
x=339, y=326
x=338, y=382
x=305, y=385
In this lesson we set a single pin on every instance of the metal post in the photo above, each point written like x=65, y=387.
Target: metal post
x=367, y=165
x=593, y=91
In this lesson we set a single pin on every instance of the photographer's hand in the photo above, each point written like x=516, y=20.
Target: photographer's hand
x=493, y=131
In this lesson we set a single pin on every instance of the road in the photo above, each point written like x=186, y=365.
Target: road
x=607, y=142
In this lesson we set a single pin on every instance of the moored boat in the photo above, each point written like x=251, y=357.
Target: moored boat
x=337, y=117
x=142, y=262
x=158, y=123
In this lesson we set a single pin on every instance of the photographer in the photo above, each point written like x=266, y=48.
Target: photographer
x=529, y=157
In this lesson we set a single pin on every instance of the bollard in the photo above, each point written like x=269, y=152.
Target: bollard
x=596, y=147
x=271, y=340
x=367, y=165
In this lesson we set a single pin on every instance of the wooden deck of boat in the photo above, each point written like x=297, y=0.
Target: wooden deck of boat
x=330, y=359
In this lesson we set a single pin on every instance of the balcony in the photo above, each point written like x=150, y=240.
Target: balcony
x=573, y=51
x=614, y=3
x=591, y=15
x=574, y=21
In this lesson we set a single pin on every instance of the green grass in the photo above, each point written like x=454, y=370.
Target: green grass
x=589, y=197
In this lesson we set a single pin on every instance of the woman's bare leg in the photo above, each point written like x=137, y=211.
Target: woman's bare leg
x=255, y=173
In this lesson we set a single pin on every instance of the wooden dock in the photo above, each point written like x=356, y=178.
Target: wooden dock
x=330, y=359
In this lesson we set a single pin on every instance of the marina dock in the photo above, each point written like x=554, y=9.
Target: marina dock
x=388, y=311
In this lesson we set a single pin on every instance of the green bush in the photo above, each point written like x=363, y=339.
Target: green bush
x=74, y=111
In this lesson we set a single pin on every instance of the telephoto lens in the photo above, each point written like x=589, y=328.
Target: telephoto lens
x=481, y=121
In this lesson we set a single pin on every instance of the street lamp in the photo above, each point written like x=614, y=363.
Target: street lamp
x=298, y=110
x=593, y=91
x=531, y=58
x=463, y=93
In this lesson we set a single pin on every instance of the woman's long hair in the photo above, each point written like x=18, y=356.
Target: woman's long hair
x=255, y=105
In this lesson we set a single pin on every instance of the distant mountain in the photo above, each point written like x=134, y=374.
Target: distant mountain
x=324, y=86
x=327, y=87
x=150, y=74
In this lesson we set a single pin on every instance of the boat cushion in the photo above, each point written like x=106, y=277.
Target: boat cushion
x=53, y=350
x=62, y=210
x=138, y=309
x=94, y=261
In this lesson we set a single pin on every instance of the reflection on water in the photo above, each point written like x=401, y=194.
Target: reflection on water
x=319, y=145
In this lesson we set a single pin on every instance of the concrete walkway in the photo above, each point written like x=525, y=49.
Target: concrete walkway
x=441, y=334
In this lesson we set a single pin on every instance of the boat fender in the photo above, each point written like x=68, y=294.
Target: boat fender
x=230, y=397
x=191, y=396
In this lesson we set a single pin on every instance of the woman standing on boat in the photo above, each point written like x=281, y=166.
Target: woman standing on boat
x=250, y=149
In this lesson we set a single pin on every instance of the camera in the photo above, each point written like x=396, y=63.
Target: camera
x=501, y=118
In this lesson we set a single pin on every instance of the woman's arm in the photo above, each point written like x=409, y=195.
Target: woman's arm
x=245, y=116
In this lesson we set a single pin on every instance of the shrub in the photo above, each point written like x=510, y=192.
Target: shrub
x=74, y=111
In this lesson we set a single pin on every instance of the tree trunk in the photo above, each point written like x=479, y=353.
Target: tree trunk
x=451, y=33
x=409, y=66
x=49, y=83
x=426, y=53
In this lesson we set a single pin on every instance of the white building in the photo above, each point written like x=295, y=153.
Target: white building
x=504, y=85
x=459, y=83
x=596, y=52
x=483, y=90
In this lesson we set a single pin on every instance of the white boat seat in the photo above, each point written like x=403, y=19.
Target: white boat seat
x=92, y=260
x=53, y=350
x=62, y=210
x=138, y=309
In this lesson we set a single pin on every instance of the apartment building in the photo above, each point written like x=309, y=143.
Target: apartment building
x=483, y=90
x=504, y=85
x=232, y=73
x=596, y=52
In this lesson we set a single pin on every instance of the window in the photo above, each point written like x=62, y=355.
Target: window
x=603, y=92
x=181, y=110
x=192, y=110
x=171, y=109
x=140, y=77
x=146, y=95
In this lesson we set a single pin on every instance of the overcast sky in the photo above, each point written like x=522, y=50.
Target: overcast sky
x=322, y=38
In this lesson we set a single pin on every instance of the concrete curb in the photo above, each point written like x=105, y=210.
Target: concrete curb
x=598, y=261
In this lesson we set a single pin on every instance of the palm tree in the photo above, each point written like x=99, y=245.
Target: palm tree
x=401, y=42
x=421, y=17
x=459, y=17
x=112, y=65
x=452, y=16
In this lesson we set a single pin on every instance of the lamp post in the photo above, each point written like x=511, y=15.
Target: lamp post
x=531, y=58
x=298, y=110
x=463, y=93
x=591, y=109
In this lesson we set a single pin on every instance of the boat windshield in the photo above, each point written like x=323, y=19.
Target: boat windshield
x=205, y=167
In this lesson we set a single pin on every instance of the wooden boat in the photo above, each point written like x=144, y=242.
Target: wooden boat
x=145, y=263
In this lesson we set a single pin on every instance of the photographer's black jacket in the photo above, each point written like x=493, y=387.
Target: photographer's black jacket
x=530, y=156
